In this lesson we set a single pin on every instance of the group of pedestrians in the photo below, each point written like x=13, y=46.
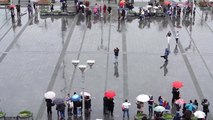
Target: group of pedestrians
x=73, y=107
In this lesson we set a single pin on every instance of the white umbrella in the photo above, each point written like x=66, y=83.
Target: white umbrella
x=199, y=114
x=148, y=6
x=159, y=109
x=49, y=95
x=85, y=94
x=142, y=98
x=155, y=7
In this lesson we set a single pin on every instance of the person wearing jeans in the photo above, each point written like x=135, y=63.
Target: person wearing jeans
x=125, y=108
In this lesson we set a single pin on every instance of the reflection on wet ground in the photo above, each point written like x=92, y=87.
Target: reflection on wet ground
x=37, y=42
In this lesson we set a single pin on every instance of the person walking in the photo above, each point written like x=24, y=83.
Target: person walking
x=205, y=103
x=168, y=35
x=166, y=54
x=116, y=52
x=177, y=36
x=70, y=105
x=125, y=108
x=61, y=111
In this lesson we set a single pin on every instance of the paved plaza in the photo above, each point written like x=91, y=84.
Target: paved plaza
x=36, y=56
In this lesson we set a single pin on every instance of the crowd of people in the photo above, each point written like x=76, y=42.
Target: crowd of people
x=73, y=106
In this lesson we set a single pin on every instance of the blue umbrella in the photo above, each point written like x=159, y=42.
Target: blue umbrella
x=191, y=107
x=76, y=97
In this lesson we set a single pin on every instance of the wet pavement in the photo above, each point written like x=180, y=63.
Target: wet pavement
x=36, y=55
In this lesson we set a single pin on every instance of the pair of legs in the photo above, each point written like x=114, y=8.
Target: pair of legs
x=165, y=57
x=126, y=111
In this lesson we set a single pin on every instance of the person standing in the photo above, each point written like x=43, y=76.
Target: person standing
x=109, y=9
x=177, y=36
x=49, y=105
x=18, y=9
x=176, y=94
x=125, y=108
x=116, y=52
x=105, y=105
x=168, y=35
x=104, y=9
x=205, y=103
x=151, y=105
x=29, y=8
x=111, y=106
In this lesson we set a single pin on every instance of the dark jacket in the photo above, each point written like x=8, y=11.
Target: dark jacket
x=49, y=103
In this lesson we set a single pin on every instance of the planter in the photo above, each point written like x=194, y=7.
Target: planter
x=168, y=116
x=25, y=114
x=2, y=115
x=139, y=116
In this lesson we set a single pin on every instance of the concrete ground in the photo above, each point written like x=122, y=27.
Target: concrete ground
x=36, y=55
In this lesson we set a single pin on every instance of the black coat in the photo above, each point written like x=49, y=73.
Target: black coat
x=49, y=103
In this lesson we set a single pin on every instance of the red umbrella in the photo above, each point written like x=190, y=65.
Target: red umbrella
x=110, y=94
x=167, y=3
x=180, y=101
x=177, y=84
x=11, y=6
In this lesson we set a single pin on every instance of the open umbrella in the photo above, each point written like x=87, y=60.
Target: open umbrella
x=180, y=101
x=76, y=97
x=177, y=84
x=11, y=6
x=49, y=95
x=58, y=101
x=199, y=114
x=142, y=98
x=167, y=2
x=159, y=109
x=85, y=94
x=110, y=94
x=191, y=107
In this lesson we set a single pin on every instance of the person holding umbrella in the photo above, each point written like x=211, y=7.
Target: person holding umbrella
x=60, y=107
x=48, y=99
x=49, y=105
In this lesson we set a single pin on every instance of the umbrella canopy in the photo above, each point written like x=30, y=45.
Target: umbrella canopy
x=76, y=97
x=159, y=109
x=85, y=94
x=177, y=84
x=142, y=98
x=49, y=95
x=180, y=101
x=199, y=114
x=191, y=107
x=11, y=6
x=167, y=2
x=110, y=94
x=148, y=6
x=58, y=101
